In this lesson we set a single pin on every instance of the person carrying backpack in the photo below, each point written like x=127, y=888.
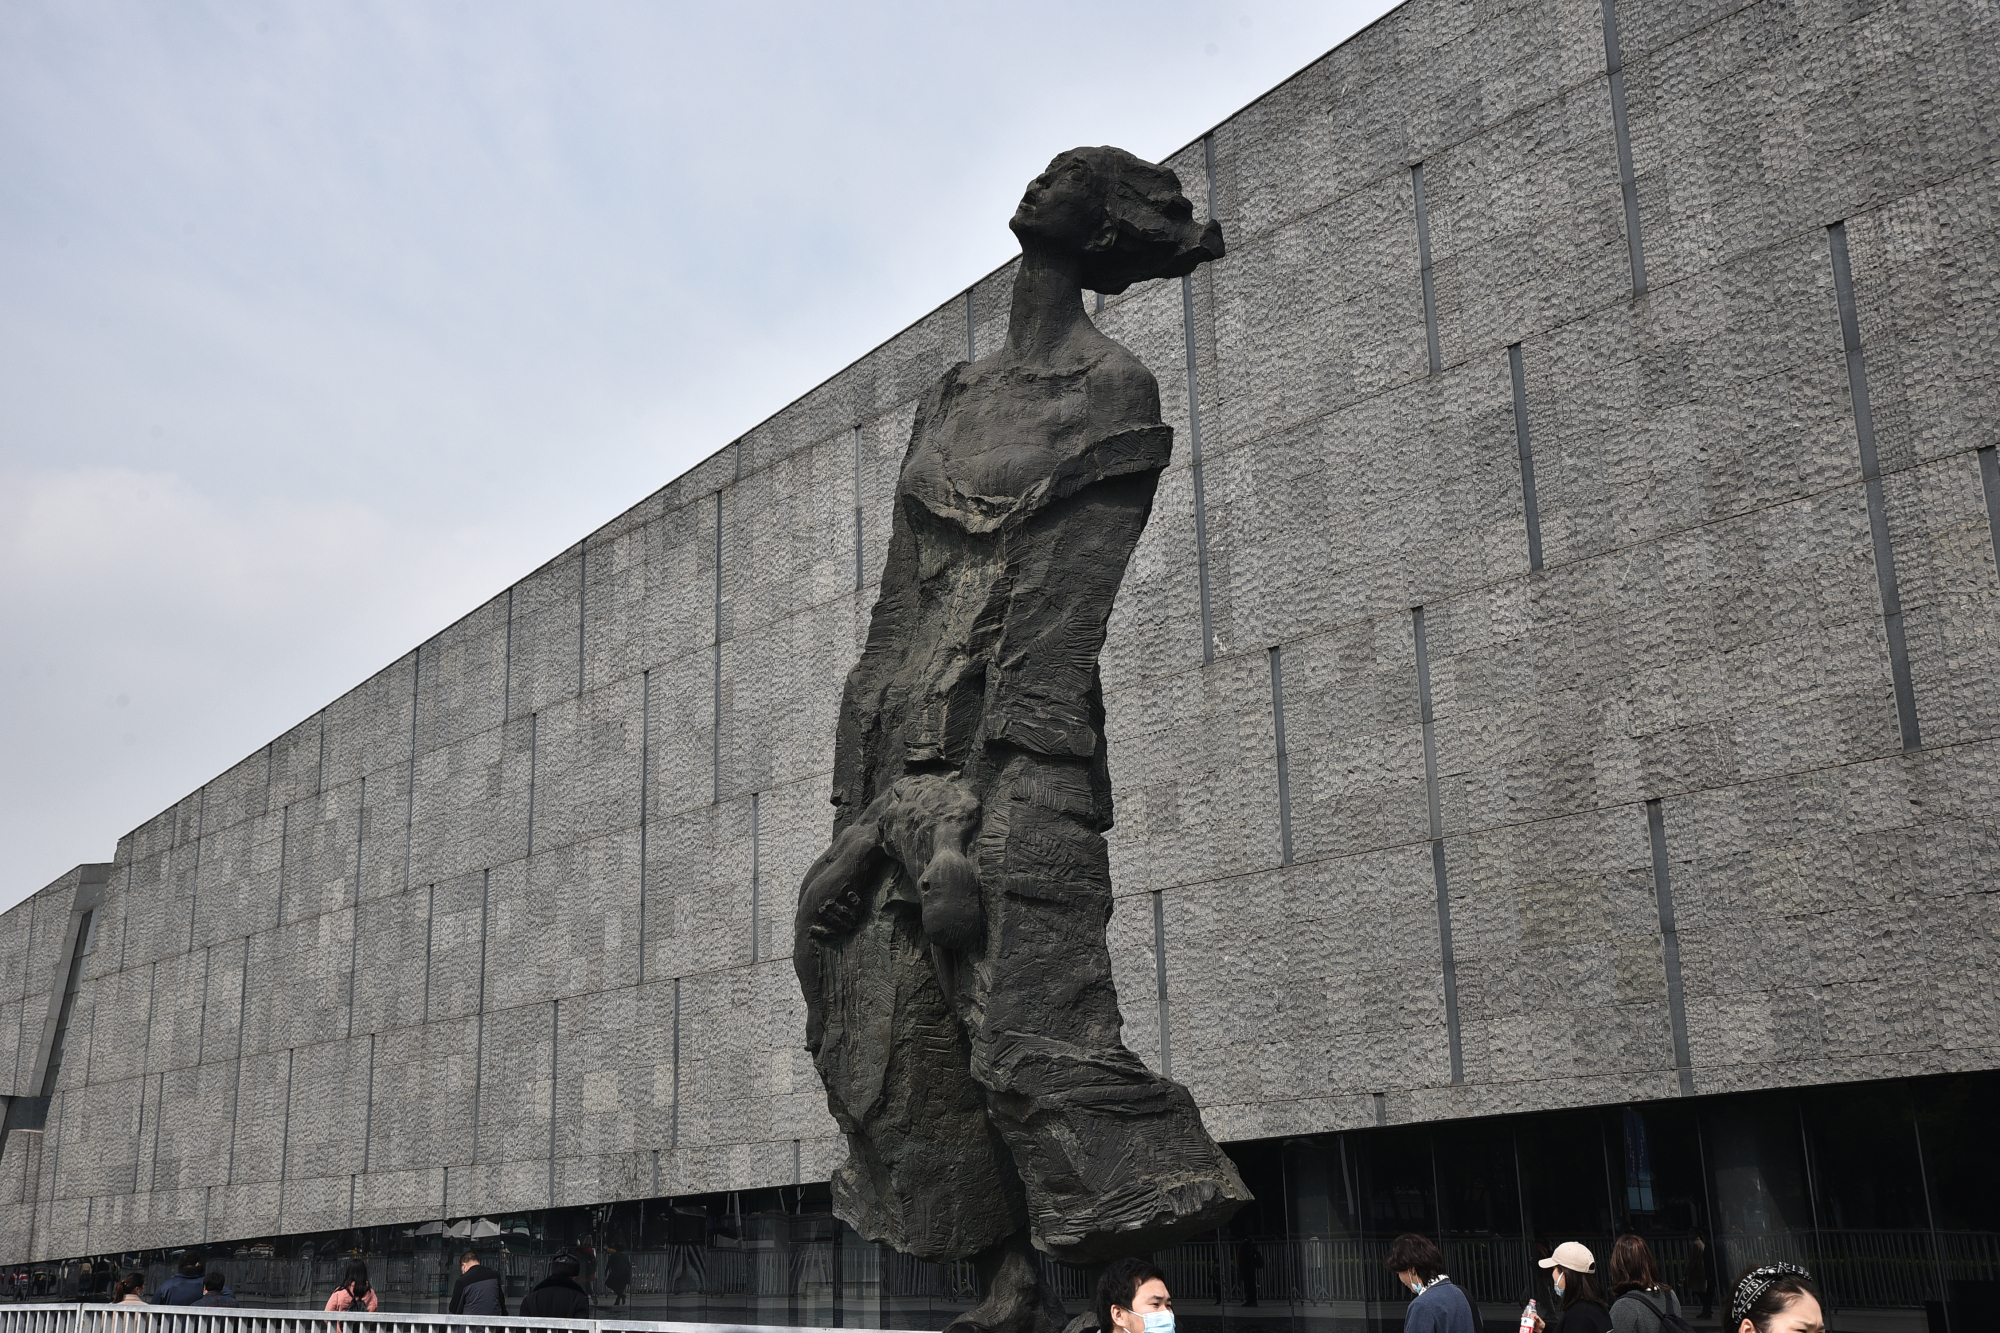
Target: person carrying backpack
x=1641, y=1302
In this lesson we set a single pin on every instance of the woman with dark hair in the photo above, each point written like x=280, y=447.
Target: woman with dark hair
x=354, y=1293
x=1132, y=1297
x=1641, y=1300
x=950, y=943
x=128, y=1290
x=1777, y=1298
x=1436, y=1303
x=1582, y=1304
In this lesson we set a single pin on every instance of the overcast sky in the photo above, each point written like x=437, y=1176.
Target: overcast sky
x=321, y=323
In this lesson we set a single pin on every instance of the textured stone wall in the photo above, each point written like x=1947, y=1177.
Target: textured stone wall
x=506, y=925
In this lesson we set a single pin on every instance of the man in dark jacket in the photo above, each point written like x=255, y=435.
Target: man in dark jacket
x=478, y=1289
x=184, y=1287
x=215, y=1291
x=559, y=1295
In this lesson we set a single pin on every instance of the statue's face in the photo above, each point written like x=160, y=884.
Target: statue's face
x=1062, y=206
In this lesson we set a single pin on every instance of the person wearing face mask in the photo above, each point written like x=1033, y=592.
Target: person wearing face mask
x=1132, y=1297
x=1436, y=1303
x=1582, y=1308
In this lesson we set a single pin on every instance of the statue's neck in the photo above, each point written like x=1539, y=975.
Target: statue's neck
x=1047, y=318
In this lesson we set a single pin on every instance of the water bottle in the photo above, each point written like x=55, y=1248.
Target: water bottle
x=1528, y=1318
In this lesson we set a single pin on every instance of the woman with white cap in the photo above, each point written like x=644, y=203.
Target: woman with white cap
x=1583, y=1309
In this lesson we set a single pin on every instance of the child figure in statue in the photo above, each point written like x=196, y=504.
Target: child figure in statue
x=950, y=943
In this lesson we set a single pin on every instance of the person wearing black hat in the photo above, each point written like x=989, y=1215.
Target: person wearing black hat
x=559, y=1295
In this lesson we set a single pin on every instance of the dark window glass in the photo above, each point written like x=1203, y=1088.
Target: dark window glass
x=1658, y=1184
x=1959, y=1117
x=1763, y=1212
x=1565, y=1176
x=1320, y=1195
x=1397, y=1181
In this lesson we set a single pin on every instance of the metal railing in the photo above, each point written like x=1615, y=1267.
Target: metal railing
x=212, y=1319
x=823, y=1277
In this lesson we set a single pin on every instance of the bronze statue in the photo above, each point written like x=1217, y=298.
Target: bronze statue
x=950, y=943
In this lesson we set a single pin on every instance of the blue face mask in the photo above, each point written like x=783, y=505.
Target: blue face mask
x=1160, y=1321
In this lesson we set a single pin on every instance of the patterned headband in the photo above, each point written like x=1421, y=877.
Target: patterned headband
x=1755, y=1283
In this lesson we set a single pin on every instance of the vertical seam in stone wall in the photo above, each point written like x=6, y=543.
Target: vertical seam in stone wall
x=1438, y=875
x=1989, y=481
x=971, y=352
x=284, y=839
x=368, y=1121
x=201, y=1020
x=354, y=926
x=319, y=772
x=1628, y=181
x=507, y=668
x=756, y=868
x=715, y=740
x=21, y=1026
x=1525, y=447
x=1871, y=476
x=534, y=729
x=159, y=1114
x=1200, y=491
x=582, y=595
x=410, y=796
x=236, y=1091
x=1284, y=763
x=1425, y=273
x=430, y=925
x=555, y=1042
x=152, y=1001
x=194, y=880
x=1670, y=945
x=1160, y=978
x=479, y=1037
x=645, y=756
x=674, y=1123
x=139, y=1135
x=858, y=565
x=125, y=918
x=285, y=1139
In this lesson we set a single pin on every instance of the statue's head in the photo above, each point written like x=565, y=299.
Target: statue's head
x=1126, y=216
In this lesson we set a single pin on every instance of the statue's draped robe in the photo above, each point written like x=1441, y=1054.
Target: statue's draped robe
x=987, y=1090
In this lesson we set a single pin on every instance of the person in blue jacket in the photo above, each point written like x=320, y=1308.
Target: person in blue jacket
x=1436, y=1304
x=184, y=1287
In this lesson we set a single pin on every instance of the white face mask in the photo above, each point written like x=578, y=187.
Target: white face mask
x=1159, y=1321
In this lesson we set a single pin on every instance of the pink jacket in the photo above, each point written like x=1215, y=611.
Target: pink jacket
x=343, y=1299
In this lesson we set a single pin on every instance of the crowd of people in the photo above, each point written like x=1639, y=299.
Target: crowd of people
x=1632, y=1296
x=1132, y=1295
